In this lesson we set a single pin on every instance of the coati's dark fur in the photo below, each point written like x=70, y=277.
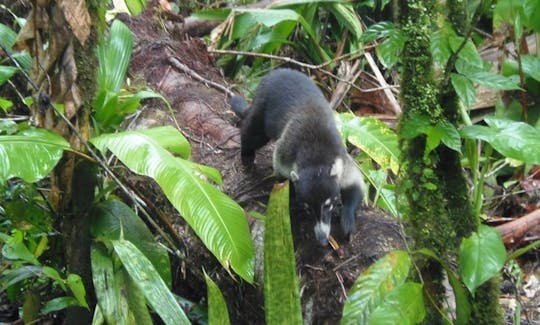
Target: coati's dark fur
x=290, y=109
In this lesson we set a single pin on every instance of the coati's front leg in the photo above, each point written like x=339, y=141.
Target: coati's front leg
x=253, y=137
x=352, y=190
x=351, y=198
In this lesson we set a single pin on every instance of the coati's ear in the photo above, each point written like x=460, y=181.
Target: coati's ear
x=294, y=176
x=337, y=168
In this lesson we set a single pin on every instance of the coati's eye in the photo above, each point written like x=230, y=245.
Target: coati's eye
x=328, y=204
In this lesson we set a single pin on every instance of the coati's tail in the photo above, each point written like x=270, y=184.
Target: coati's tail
x=239, y=106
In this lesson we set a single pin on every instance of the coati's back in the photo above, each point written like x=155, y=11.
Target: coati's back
x=284, y=93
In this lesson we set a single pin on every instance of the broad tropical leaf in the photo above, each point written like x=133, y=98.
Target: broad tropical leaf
x=30, y=154
x=515, y=140
x=373, y=137
x=374, y=285
x=111, y=301
x=481, y=257
x=464, y=89
x=215, y=218
x=113, y=220
x=404, y=305
x=147, y=279
x=281, y=292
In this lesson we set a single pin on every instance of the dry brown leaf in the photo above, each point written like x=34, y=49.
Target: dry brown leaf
x=78, y=18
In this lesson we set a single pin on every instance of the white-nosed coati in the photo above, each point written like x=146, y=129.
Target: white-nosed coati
x=289, y=108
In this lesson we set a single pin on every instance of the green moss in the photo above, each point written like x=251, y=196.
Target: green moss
x=485, y=306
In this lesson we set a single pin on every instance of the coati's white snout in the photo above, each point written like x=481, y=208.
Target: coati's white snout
x=322, y=231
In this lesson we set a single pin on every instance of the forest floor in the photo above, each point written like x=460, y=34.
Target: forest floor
x=179, y=66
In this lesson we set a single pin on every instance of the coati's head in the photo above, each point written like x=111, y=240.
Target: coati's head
x=317, y=190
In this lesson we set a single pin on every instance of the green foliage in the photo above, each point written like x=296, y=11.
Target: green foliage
x=147, y=279
x=281, y=291
x=404, y=305
x=217, y=308
x=376, y=289
x=481, y=257
x=217, y=219
x=376, y=139
x=18, y=154
x=517, y=140
x=442, y=131
x=317, y=25
x=23, y=272
x=112, y=103
x=114, y=220
x=135, y=7
x=391, y=41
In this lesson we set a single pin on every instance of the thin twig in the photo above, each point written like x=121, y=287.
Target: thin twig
x=174, y=61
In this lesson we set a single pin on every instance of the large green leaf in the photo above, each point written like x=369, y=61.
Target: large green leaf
x=443, y=131
x=373, y=137
x=217, y=308
x=114, y=220
x=404, y=305
x=111, y=301
x=494, y=81
x=515, y=140
x=30, y=154
x=530, y=65
x=481, y=257
x=281, y=292
x=389, y=51
x=114, y=55
x=464, y=89
x=146, y=278
x=14, y=248
x=468, y=52
x=218, y=220
x=374, y=285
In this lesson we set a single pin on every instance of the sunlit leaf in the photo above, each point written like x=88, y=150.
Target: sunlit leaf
x=109, y=292
x=6, y=72
x=30, y=154
x=517, y=140
x=59, y=303
x=494, y=81
x=374, y=137
x=374, y=285
x=216, y=219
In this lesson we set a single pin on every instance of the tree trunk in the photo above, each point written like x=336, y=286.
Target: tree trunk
x=64, y=71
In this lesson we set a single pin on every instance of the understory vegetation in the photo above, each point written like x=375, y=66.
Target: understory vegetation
x=78, y=241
